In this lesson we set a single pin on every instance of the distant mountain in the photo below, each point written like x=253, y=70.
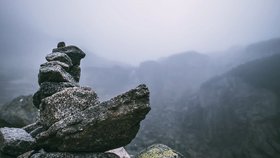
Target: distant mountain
x=175, y=83
x=233, y=115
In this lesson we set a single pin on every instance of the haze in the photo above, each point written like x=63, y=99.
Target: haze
x=133, y=31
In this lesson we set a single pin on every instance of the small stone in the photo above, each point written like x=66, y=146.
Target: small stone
x=121, y=152
x=62, y=57
x=159, y=151
x=15, y=141
x=60, y=44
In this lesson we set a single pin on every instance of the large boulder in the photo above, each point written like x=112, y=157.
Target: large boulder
x=18, y=113
x=66, y=103
x=159, y=151
x=99, y=128
x=49, y=88
x=15, y=141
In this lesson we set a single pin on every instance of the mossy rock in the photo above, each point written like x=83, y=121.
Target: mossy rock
x=159, y=151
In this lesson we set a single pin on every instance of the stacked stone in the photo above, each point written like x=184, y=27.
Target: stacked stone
x=72, y=122
x=62, y=70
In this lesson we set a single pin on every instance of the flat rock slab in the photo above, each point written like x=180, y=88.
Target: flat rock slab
x=15, y=141
x=54, y=73
x=62, y=57
x=43, y=154
x=109, y=125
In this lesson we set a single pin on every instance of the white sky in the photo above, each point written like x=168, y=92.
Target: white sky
x=132, y=31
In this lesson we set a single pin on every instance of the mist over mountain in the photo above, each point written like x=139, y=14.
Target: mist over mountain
x=199, y=102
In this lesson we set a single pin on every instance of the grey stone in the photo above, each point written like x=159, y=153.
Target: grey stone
x=44, y=154
x=99, y=128
x=159, y=151
x=18, y=113
x=66, y=103
x=15, y=141
x=49, y=88
x=54, y=73
x=57, y=56
x=121, y=152
x=54, y=63
x=75, y=53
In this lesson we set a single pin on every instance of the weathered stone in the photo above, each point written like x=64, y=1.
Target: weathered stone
x=99, y=128
x=49, y=88
x=18, y=113
x=15, y=141
x=44, y=154
x=159, y=151
x=54, y=63
x=57, y=56
x=75, y=53
x=75, y=71
x=66, y=103
x=54, y=73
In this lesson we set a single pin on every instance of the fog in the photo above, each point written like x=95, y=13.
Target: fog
x=212, y=67
x=133, y=31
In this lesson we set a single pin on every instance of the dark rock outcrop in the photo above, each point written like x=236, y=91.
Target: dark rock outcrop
x=18, y=113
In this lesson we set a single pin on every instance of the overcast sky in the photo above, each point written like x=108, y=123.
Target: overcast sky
x=136, y=30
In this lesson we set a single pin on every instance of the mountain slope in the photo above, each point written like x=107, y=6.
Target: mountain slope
x=236, y=114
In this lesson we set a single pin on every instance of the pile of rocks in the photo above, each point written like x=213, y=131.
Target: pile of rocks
x=72, y=121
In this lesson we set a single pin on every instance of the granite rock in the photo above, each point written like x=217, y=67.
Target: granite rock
x=57, y=56
x=54, y=73
x=15, y=141
x=66, y=103
x=99, y=128
x=49, y=88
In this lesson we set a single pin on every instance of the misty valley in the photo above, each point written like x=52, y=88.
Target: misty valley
x=218, y=105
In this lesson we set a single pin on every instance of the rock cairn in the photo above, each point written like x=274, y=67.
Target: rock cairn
x=72, y=121
x=62, y=70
